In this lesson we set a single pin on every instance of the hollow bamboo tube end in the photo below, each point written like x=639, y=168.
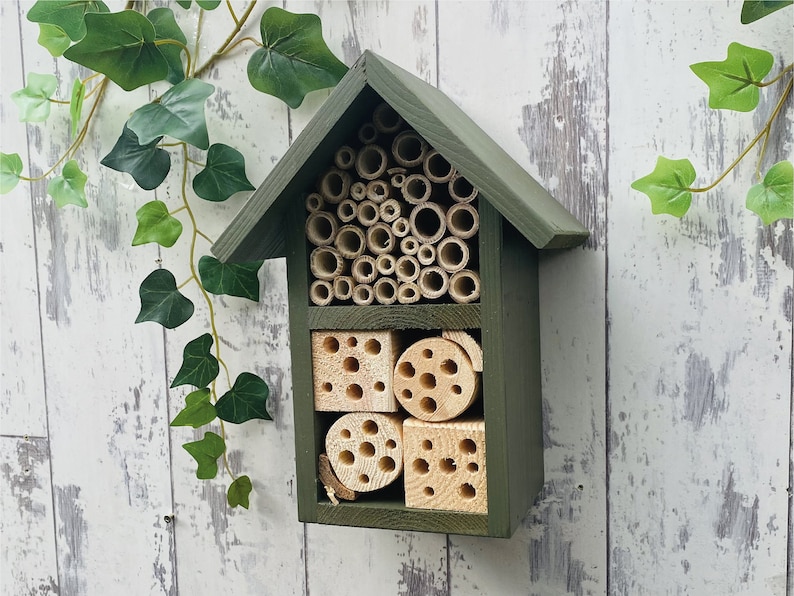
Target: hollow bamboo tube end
x=335, y=185
x=363, y=295
x=426, y=255
x=346, y=210
x=416, y=189
x=385, y=264
x=400, y=227
x=464, y=286
x=358, y=190
x=433, y=282
x=437, y=168
x=343, y=287
x=386, y=119
x=314, y=202
x=380, y=239
x=367, y=133
x=350, y=241
x=385, y=290
x=321, y=228
x=371, y=162
x=390, y=210
x=363, y=269
x=321, y=292
x=345, y=158
x=428, y=222
x=367, y=213
x=461, y=190
x=407, y=268
x=463, y=220
x=409, y=245
x=452, y=254
x=408, y=293
x=378, y=191
x=326, y=263
x=409, y=149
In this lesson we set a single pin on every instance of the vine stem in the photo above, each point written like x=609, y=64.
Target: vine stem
x=764, y=133
x=780, y=75
x=238, y=27
x=241, y=40
x=231, y=12
x=173, y=42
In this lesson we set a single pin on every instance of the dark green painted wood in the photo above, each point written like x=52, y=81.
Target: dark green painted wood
x=415, y=316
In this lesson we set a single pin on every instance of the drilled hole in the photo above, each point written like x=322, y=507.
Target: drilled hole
x=421, y=466
x=427, y=444
x=428, y=405
x=366, y=449
x=352, y=342
x=407, y=394
x=427, y=381
x=354, y=392
x=406, y=370
x=449, y=367
x=331, y=345
x=370, y=427
x=429, y=492
x=472, y=467
x=327, y=387
x=363, y=479
x=347, y=458
x=468, y=446
x=372, y=347
x=467, y=491
x=427, y=353
x=391, y=444
x=350, y=364
x=344, y=433
x=448, y=465
x=456, y=389
x=379, y=386
x=386, y=464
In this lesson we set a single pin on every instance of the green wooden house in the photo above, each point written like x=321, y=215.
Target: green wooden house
x=518, y=219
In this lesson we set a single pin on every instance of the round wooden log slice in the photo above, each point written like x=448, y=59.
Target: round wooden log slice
x=434, y=380
x=366, y=450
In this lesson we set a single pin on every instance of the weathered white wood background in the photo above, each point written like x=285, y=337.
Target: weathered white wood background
x=667, y=344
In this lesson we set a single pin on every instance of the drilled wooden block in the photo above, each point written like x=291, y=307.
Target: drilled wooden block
x=445, y=465
x=352, y=370
x=365, y=450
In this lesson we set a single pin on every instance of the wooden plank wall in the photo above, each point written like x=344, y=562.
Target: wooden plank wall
x=667, y=344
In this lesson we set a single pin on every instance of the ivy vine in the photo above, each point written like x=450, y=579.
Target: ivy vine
x=132, y=48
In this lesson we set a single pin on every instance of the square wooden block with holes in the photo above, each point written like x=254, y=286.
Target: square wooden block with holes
x=445, y=465
x=352, y=370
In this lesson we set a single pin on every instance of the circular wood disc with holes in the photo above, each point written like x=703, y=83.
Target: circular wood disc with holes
x=434, y=380
x=366, y=450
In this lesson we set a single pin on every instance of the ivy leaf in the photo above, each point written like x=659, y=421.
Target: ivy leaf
x=773, y=199
x=223, y=175
x=10, y=170
x=668, y=186
x=166, y=27
x=69, y=15
x=53, y=39
x=199, y=367
x=733, y=83
x=161, y=301
x=122, y=46
x=208, y=4
x=752, y=10
x=147, y=164
x=76, y=104
x=156, y=225
x=34, y=100
x=246, y=400
x=179, y=113
x=184, y=3
x=206, y=452
x=232, y=279
x=239, y=491
x=295, y=59
x=198, y=410
x=69, y=187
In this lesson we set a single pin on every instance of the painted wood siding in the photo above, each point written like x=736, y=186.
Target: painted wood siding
x=666, y=344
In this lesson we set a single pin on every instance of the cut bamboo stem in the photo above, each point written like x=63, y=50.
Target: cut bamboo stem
x=409, y=245
x=407, y=268
x=461, y=190
x=436, y=167
x=326, y=263
x=426, y=255
x=367, y=213
x=314, y=202
x=363, y=295
x=390, y=210
x=452, y=254
x=350, y=241
x=385, y=290
x=367, y=133
x=345, y=158
x=463, y=220
x=378, y=191
x=380, y=239
x=385, y=264
x=408, y=149
x=371, y=162
x=400, y=227
x=386, y=120
x=363, y=269
x=335, y=185
x=346, y=210
x=464, y=286
x=321, y=228
x=433, y=282
x=321, y=292
x=428, y=222
x=358, y=190
x=408, y=293
x=397, y=175
x=343, y=287
x=416, y=189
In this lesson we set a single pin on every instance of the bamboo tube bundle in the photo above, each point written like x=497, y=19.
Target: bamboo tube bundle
x=385, y=264
x=326, y=263
x=390, y=210
x=437, y=168
x=380, y=239
x=371, y=162
x=335, y=185
x=452, y=254
x=407, y=268
x=433, y=282
x=358, y=191
x=463, y=220
x=378, y=191
x=321, y=292
x=385, y=290
x=363, y=269
x=409, y=245
x=314, y=202
x=400, y=227
x=345, y=157
x=367, y=213
x=346, y=210
x=428, y=222
x=386, y=120
x=321, y=228
x=397, y=180
x=363, y=294
x=426, y=255
x=408, y=293
x=461, y=190
x=367, y=133
x=409, y=149
x=343, y=287
x=350, y=241
x=464, y=286
x=416, y=189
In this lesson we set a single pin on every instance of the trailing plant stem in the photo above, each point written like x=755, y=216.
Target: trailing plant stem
x=780, y=75
x=219, y=52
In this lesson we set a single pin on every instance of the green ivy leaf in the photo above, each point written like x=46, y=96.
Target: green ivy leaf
x=156, y=225
x=246, y=400
x=179, y=113
x=10, y=170
x=668, y=186
x=69, y=15
x=223, y=175
x=295, y=59
x=199, y=367
x=161, y=302
x=239, y=491
x=76, y=104
x=122, y=46
x=733, y=83
x=184, y=3
x=752, y=10
x=53, y=39
x=208, y=4
x=166, y=27
x=198, y=410
x=34, y=100
x=147, y=164
x=773, y=199
x=206, y=453
x=69, y=187
x=232, y=279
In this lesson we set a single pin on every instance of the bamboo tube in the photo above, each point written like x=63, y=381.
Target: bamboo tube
x=363, y=294
x=380, y=239
x=321, y=292
x=408, y=293
x=326, y=263
x=385, y=264
x=358, y=190
x=436, y=167
x=385, y=290
x=343, y=287
x=390, y=210
x=346, y=210
x=408, y=149
x=335, y=185
x=321, y=228
x=363, y=269
x=378, y=191
x=433, y=282
x=397, y=180
x=367, y=213
x=407, y=268
x=345, y=158
x=428, y=222
x=400, y=227
x=463, y=220
x=426, y=255
x=371, y=162
x=461, y=190
x=452, y=254
x=367, y=133
x=386, y=120
x=416, y=189
x=409, y=245
x=464, y=286
x=314, y=202
x=350, y=241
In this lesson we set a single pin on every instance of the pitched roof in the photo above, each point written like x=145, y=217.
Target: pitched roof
x=257, y=231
